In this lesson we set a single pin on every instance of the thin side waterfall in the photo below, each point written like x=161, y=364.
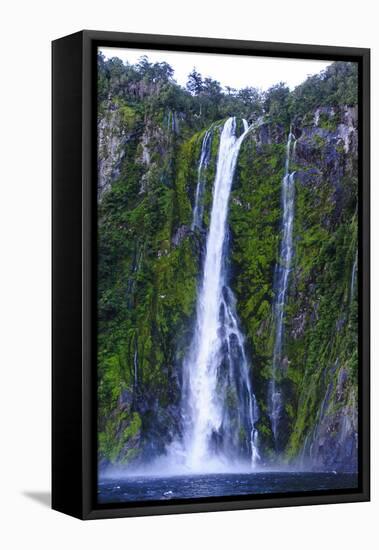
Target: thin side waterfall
x=218, y=405
x=239, y=365
x=172, y=123
x=135, y=366
x=203, y=163
x=282, y=273
x=353, y=277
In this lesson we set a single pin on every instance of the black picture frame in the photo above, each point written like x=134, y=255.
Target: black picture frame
x=74, y=275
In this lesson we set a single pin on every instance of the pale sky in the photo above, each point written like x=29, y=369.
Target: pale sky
x=236, y=71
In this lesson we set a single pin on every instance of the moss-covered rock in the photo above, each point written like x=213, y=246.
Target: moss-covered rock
x=150, y=137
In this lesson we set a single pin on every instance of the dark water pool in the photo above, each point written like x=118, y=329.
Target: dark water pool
x=215, y=485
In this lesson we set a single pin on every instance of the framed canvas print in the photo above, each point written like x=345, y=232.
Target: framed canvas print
x=210, y=274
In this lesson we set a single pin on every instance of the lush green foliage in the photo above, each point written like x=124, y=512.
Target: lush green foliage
x=150, y=260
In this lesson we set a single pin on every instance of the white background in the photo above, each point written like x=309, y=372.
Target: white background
x=27, y=29
x=236, y=71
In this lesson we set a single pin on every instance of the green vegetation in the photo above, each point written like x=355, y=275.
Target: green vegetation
x=150, y=260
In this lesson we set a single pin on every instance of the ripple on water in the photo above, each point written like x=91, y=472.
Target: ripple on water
x=217, y=485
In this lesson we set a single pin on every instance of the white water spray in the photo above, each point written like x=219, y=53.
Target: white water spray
x=353, y=277
x=283, y=268
x=219, y=407
x=203, y=163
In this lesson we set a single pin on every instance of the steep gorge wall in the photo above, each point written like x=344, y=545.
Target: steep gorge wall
x=148, y=268
x=318, y=374
x=323, y=298
x=149, y=262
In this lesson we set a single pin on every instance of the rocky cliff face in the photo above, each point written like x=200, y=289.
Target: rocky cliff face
x=111, y=141
x=327, y=156
x=150, y=259
x=317, y=377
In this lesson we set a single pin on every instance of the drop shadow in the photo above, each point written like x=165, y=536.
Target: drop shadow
x=41, y=497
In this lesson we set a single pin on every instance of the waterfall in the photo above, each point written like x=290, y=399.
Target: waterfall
x=353, y=277
x=172, y=123
x=218, y=405
x=281, y=285
x=203, y=163
x=135, y=365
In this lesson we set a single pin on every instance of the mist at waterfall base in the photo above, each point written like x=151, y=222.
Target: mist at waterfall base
x=210, y=458
x=216, y=362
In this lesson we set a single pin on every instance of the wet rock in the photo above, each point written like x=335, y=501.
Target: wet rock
x=309, y=178
x=113, y=135
x=125, y=400
x=341, y=385
x=268, y=133
x=340, y=323
x=334, y=443
x=181, y=233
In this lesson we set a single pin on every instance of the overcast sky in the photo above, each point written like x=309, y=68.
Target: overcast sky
x=236, y=71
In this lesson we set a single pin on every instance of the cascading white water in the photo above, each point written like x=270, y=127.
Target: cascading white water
x=135, y=365
x=239, y=366
x=203, y=163
x=219, y=407
x=282, y=273
x=353, y=277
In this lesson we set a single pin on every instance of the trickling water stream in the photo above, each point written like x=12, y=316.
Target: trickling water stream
x=219, y=407
x=353, y=277
x=275, y=402
x=203, y=163
x=135, y=365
